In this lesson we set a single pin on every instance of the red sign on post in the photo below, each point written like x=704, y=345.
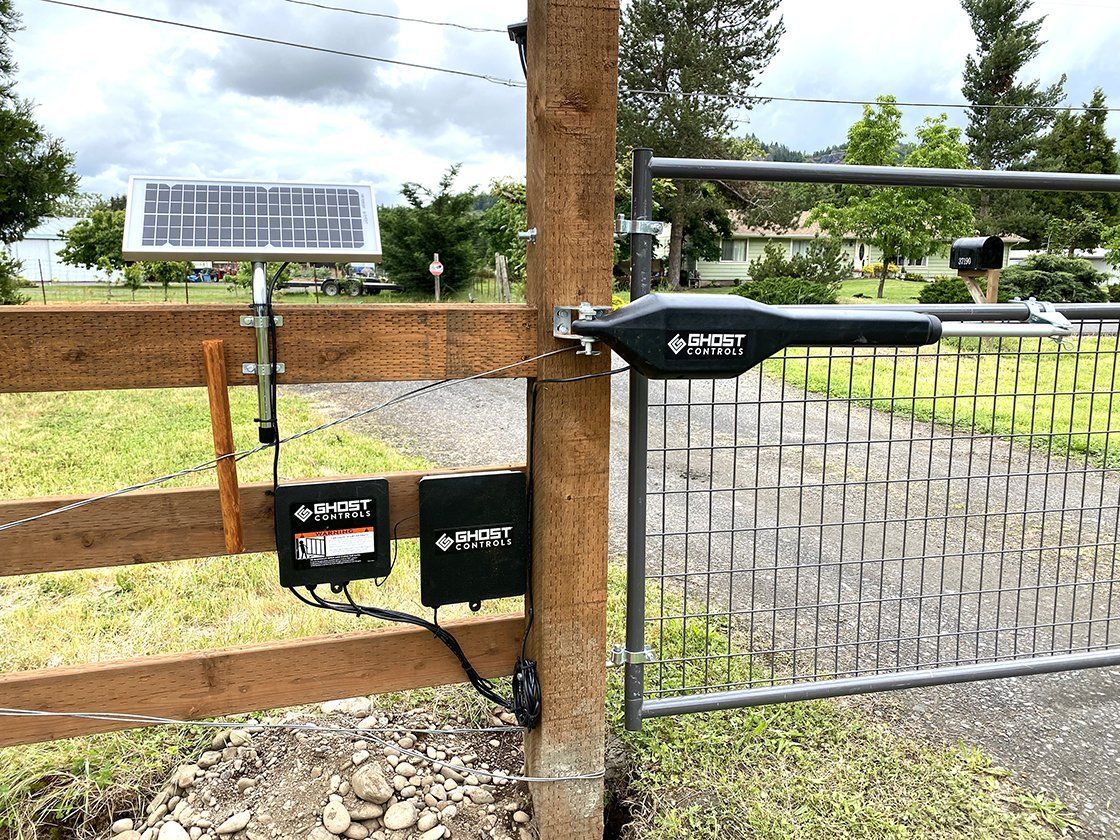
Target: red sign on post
x=436, y=268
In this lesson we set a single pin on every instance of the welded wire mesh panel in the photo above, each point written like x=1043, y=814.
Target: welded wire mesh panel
x=839, y=513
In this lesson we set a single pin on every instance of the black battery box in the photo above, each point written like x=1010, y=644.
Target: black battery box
x=332, y=531
x=474, y=537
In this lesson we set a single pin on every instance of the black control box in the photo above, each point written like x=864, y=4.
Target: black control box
x=332, y=531
x=474, y=537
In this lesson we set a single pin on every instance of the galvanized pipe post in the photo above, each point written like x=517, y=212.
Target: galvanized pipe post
x=266, y=411
x=641, y=266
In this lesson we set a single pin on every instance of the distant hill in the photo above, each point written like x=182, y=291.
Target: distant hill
x=782, y=152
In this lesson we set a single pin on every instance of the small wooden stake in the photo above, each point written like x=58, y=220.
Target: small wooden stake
x=229, y=494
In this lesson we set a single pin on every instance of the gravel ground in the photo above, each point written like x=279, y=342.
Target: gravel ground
x=1059, y=732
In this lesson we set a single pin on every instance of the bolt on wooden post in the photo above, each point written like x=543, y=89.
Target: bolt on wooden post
x=572, y=96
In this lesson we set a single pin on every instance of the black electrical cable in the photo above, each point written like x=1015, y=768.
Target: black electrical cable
x=273, y=356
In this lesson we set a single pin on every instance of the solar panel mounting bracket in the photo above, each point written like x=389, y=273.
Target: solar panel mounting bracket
x=258, y=321
x=252, y=368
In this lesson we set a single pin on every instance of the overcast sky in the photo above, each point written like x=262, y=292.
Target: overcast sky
x=130, y=97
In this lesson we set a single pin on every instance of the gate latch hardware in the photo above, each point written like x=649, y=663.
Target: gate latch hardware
x=256, y=321
x=1046, y=313
x=621, y=656
x=624, y=226
x=250, y=368
x=562, y=317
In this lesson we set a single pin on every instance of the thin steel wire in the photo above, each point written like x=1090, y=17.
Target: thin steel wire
x=849, y=513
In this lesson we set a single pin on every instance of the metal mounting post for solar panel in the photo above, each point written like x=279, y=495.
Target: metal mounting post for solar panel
x=282, y=221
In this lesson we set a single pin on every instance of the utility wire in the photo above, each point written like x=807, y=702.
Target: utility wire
x=388, y=16
x=428, y=388
x=145, y=720
x=282, y=43
x=818, y=100
x=514, y=83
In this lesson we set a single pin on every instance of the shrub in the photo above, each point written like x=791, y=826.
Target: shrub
x=11, y=280
x=1114, y=292
x=784, y=291
x=954, y=290
x=823, y=262
x=1058, y=279
x=876, y=269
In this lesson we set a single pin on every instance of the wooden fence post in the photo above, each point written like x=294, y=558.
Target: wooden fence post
x=572, y=102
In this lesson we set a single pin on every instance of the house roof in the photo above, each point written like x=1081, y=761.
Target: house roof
x=804, y=229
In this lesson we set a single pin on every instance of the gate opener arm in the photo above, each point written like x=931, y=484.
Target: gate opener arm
x=683, y=336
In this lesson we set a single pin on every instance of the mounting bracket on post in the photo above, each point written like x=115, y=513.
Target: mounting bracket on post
x=621, y=656
x=625, y=227
x=1047, y=313
x=563, y=316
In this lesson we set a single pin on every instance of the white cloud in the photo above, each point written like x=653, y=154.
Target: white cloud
x=138, y=98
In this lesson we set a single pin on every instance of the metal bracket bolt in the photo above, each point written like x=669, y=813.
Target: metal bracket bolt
x=562, y=317
x=251, y=368
x=255, y=321
x=621, y=656
x=624, y=226
x=529, y=235
x=1047, y=313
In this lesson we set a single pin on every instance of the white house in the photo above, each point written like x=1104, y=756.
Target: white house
x=39, y=248
x=748, y=244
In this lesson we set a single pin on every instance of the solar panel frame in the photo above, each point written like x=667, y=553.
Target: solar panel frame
x=170, y=218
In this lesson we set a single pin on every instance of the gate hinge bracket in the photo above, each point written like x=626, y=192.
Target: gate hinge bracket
x=624, y=226
x=1047, y=313
x=562, y=317
x=257, y=321
x=621, y=656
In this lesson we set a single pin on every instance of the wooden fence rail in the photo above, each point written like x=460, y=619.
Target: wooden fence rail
x=84, y=348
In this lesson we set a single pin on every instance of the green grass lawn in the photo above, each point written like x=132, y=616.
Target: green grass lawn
x=1059, y=397
x=894, y=291
x=808, y=770
x=226, y=293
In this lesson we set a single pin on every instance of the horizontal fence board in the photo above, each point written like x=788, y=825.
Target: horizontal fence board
x=156, y=525
x=90, y=347
x=249, y=678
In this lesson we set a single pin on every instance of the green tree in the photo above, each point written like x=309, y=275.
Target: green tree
x=1004, y=137
x=1078, y=142
x=903, y=222
x=1057, y=279
x=673, y=55
x=35, y=168
x=502, y=221
x=11, y=280
x=95, y=242
x=436, y=221
x=83, y=204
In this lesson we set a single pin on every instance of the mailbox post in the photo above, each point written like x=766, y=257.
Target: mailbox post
x=976, y=258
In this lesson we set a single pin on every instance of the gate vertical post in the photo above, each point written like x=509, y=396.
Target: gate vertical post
x=572, y=97
x=641, y=259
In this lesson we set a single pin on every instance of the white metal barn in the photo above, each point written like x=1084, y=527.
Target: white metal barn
x=39, y=250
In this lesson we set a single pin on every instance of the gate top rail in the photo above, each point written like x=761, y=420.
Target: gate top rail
x=1012, y=311
x=695, y=169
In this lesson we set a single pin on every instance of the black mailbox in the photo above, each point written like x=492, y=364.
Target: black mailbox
x=976, y=253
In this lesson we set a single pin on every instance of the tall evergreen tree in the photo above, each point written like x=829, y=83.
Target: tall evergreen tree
x=1078, y=142
x=1004, y=138
x=678, y=51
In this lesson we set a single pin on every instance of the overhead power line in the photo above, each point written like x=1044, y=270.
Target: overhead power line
x=282, y=43
x=762, y=98
x=515, y=83
x=366, y=13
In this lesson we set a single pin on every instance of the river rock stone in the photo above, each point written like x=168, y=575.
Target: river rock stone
x=356, y=831
x=173, y=831
x=400, y=815
x=336, y=819
x=234, y=824
x=427, y=822
x=366, y=811
x=433, y=833
x=369, y=783
x=121, y=826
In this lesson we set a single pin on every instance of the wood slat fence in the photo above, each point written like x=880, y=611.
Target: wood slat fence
x=77, y=348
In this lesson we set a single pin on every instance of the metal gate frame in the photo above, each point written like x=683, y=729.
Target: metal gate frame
x=635, y=654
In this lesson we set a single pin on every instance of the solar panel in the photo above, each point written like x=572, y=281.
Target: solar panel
x=184, y=219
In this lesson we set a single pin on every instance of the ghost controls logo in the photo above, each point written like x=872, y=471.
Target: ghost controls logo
x=707, y=344
x=335, y=511
x=473, y=539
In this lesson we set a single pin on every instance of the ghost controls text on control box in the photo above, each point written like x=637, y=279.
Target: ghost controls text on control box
x=332, y=531
x=474, y=537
